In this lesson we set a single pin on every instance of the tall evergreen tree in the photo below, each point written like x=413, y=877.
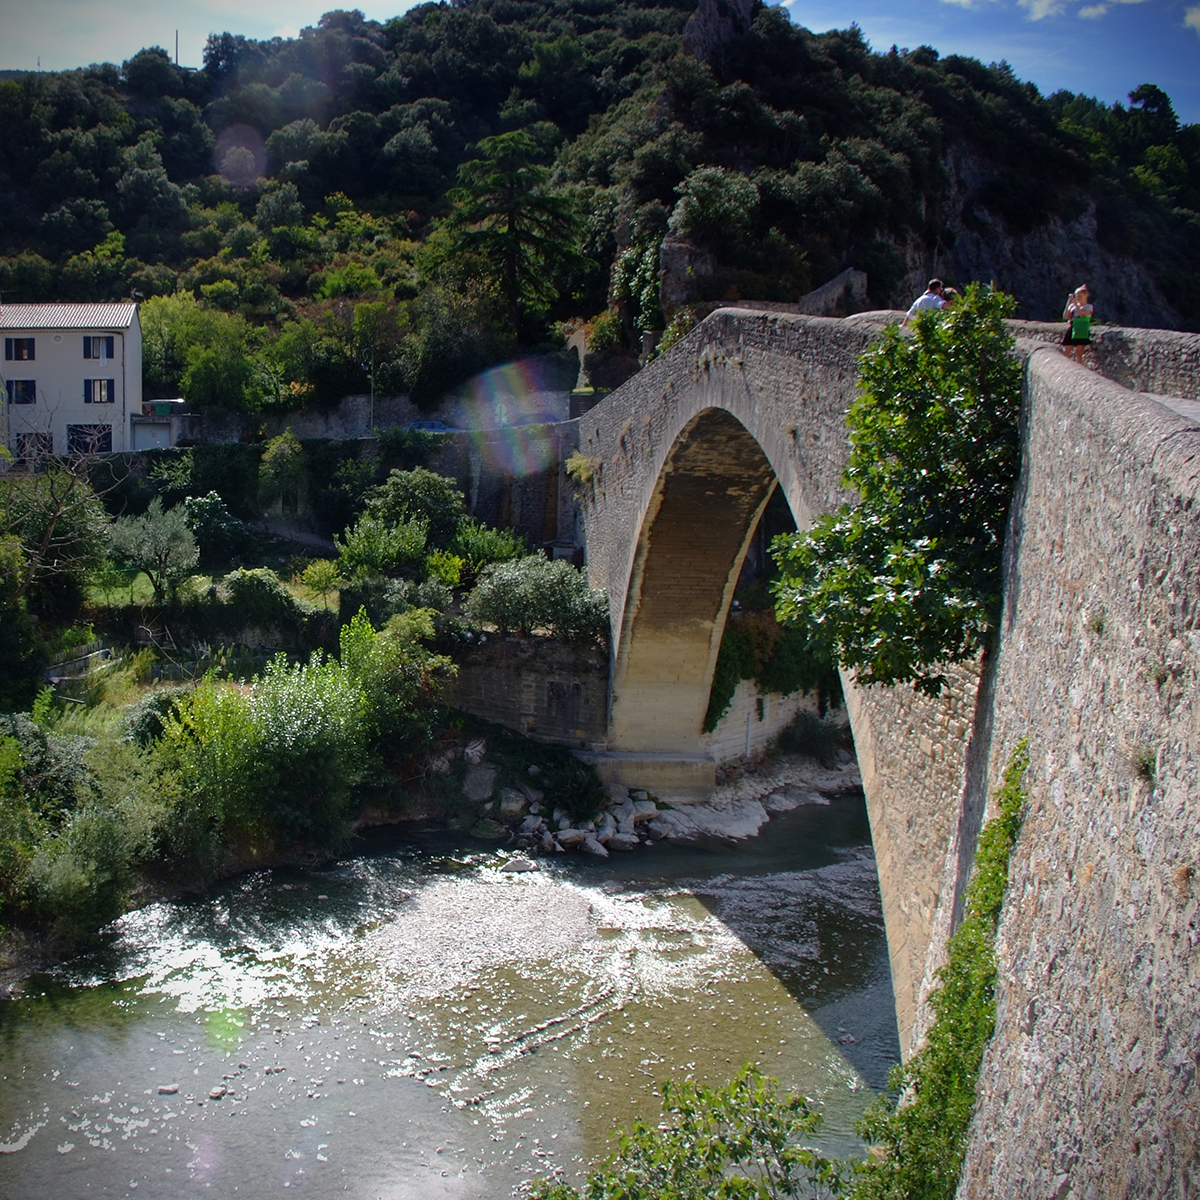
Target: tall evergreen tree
x=506, y=213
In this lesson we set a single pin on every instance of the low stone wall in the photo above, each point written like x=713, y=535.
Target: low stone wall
x=551, y=691
x=752, y=721
x=1089, y=1086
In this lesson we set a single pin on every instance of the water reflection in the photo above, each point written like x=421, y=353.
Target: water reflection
x=415, y=1022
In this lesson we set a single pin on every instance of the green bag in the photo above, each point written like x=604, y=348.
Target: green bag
x=1081, y=328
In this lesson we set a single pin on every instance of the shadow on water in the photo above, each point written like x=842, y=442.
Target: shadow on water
x=803, y=897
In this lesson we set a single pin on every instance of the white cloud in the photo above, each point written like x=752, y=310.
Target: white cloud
x=1039, y=9
x=1091, y=11
x=1191, y=18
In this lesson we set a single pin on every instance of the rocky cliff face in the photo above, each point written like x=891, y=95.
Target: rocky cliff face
x=1039, y=267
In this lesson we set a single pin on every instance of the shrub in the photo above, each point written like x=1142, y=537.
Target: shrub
x=741, y=1140
x=274, y=764
x=606, y=332
x=144, y=719
x=398, y=676
x=374, y=545
x=479, y=545
x=809, y=734
x=419, y=495
x=534, y=593
x=910, y=577
x=447, y=567
x=219, y=533
x=259, y=598
x=385, y=598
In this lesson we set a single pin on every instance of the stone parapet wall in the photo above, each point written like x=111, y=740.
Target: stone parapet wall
x=1089, y=1086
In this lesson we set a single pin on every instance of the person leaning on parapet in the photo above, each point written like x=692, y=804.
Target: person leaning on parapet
x=937, y=296
x=1078, y=316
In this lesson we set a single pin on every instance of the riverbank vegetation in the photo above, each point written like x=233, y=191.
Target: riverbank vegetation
x=231, y=713
x=397, y=205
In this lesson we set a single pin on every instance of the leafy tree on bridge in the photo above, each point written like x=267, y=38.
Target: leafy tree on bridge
x=909, y=578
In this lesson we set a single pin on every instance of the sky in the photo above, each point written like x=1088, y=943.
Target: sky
x=1101, y=48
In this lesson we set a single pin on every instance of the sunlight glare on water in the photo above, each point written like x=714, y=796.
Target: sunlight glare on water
x=415, y=1022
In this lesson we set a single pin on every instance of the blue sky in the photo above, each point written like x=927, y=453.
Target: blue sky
x=1103, y=48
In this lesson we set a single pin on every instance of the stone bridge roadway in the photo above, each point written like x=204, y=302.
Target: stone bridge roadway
x=1105, y=537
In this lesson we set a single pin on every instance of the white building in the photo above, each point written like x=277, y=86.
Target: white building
x=72, y=376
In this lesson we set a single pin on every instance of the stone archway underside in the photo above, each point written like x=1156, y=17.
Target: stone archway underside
x=702, y=514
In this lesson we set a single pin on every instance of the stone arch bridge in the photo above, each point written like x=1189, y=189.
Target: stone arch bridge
x=1089, y=1085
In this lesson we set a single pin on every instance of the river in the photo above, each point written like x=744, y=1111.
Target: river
x=413, y=1022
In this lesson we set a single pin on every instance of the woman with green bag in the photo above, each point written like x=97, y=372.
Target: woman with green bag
x=1078, y=315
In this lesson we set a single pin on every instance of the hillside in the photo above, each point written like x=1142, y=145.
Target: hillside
x=293, y=181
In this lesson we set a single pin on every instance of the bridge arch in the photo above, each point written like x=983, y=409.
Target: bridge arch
x=686, y=457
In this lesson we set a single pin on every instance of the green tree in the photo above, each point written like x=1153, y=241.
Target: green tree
x=506, y=214
x=57, y=522
x=160, y=543
x=281, y=472
x=419, y=495
x=323, y=576
x=909, y=578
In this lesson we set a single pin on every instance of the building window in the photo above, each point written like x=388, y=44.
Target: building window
x=89, y=439
x=18, y=349
x=98, y=347
x=22, y=391
x=99, y=391
x=32, y=449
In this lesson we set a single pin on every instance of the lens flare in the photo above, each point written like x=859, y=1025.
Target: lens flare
x=506, y=409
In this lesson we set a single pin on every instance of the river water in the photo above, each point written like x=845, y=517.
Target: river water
x=412, y=1022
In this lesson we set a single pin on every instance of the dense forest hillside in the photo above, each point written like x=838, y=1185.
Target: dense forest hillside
x=414, y=200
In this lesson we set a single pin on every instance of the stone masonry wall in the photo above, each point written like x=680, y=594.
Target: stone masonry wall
x=549, y=690
x=1089, y=1087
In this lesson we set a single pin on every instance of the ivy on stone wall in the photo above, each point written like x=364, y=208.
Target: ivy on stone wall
x=921, y=1128
x=779, y=659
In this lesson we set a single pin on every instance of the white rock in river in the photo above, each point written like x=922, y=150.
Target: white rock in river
x=530, y=825
x=617, y=793
x=644, y=810
x=475, y=751
x=569, y=838
x=548, y=844
x=623, y=841
x=532, y=794
x=478, y=784
x=606, y=828
x=591, y=846
x=515, y=866
x=512, y=804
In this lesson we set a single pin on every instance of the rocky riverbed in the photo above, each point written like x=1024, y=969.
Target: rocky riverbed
x=521, y=816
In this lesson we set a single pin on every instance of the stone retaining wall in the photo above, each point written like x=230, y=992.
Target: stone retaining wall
x=551, y=691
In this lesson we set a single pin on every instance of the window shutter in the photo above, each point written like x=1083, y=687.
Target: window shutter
x=108, y=342
x=112, y=391
x=8, y=349
x=87, y=347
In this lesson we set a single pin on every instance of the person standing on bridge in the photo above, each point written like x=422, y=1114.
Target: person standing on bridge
x=936, y=296
x=1078, y=315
